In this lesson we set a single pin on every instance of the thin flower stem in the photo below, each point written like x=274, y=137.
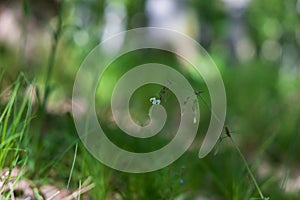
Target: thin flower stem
x=227, y=131
x=248, y=168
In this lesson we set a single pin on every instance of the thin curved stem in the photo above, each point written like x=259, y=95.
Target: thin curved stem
x=248, y=168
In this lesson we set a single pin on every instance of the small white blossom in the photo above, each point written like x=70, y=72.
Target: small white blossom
x=154, y=101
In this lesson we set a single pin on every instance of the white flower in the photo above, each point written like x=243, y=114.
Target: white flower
x=154, y=101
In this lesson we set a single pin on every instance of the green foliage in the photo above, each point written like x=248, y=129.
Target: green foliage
x=14, y=122
x=263, y=108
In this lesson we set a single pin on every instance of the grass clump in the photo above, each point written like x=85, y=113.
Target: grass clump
x=14, y=122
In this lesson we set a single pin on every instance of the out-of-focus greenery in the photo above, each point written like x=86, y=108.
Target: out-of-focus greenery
x=259, y=64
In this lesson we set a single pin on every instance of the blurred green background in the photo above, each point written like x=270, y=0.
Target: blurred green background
x=254, y=43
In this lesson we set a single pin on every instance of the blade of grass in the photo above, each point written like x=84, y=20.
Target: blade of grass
x=7, y=112
x=73, y=164
x=56, y=159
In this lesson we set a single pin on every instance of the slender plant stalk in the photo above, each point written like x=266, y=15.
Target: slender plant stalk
x=50, y=66
x=239, y=152
x=248, y=168
x=227, y=131
x=51, y=60
x=26, y=12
